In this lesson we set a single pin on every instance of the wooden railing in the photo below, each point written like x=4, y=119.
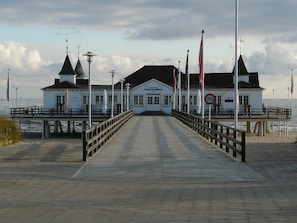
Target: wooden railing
x=95, y=137
x=221, y=135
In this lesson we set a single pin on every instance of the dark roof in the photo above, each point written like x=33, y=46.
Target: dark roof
x=241, y=67
x=62, y=85
x=67, y=68
x=79, y=70
x=163, y=73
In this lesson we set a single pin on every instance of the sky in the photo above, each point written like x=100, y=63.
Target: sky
x=126, y=35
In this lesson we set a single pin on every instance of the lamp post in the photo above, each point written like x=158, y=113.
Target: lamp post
x=90, y=56
x=112, y=92
x=273, y=97
x=236, y=93
x=122, y=82
x=128, y=87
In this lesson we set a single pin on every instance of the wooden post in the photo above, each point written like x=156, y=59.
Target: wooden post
x=243, y=147
x=84, y=141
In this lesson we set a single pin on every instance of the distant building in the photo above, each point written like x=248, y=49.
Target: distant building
x=151, y=90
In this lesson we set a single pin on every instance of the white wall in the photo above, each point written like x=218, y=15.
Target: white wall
x=69, y=78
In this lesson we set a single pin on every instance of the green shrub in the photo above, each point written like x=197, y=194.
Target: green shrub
x=9, y=132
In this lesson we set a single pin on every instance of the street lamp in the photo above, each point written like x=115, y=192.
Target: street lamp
x=112, y=92
x=122, y=82
x=90, y=56
x=127, y=86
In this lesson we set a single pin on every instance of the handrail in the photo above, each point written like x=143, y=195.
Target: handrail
x=215, y=132
x=94, y=138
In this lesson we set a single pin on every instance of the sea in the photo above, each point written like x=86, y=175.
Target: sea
x=35, y=126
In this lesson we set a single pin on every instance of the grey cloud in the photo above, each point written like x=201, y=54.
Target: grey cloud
x=156, y=19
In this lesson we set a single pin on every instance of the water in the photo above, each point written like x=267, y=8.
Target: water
x=5, y=109
x=20, y=103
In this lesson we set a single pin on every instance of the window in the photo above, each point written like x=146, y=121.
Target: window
x=157, y=100
x=219, y=100
x=150, y=100
x=97, y=99
x=243, y=100
x=240, y=100
x=135, y=99
x=84, y=100
x=166, y=100
x=246, y=100
x=138, y=99
x=60, y=99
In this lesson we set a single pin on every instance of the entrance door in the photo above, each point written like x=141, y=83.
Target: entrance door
x=153, y=102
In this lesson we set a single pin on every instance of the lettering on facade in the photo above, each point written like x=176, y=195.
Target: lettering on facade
x=153, y=89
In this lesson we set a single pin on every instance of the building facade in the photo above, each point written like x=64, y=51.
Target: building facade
x=150, y=89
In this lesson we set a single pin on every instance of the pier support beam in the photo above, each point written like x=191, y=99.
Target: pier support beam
x=84, y=125
x=248, y=127
x=68, y=127
x=46, y=130
x=56, y=127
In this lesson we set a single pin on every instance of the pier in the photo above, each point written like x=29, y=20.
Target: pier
x=154, y=169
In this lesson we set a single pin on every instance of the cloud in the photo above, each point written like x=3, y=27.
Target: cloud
x=154, y=19
x=27, y=68
x=17, y=56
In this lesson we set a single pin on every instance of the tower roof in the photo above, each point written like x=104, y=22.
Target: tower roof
x=241, y=67
x=79, y=70
x=67, y=68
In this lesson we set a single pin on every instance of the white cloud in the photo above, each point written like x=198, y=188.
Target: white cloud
x=27, y=69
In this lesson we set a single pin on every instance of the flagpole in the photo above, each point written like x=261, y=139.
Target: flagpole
x=292, y=93
x=179, y=88
x=188, y=84
x=201, y=71
x=7, y=91
x=174, y=87
x=236, y=67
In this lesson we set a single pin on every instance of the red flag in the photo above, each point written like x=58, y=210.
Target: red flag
x=201, y=74
x=187, y=70
x=174, y=81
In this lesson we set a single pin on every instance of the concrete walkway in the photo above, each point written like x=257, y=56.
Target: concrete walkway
x=154, y=170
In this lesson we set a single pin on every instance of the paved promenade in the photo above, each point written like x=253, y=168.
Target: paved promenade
x=153, y=170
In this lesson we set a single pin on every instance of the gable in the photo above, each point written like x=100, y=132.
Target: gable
x=162, y=73
x=152, y=86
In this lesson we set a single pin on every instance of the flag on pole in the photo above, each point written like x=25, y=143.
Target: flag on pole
x=187, y=70
x=7, y=90
x=292, y=84
x=201, y=74
x=199, y=102
x=66, y=101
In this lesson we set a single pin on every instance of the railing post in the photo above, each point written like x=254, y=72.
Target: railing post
x=84, y=141
x=221, y=138
x=234, y=143
x=227, y=140
x=243, y=147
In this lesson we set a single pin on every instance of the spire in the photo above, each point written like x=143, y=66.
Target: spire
x=241, y=67
x=67, y=48
x=79, y=70
x=67, y=68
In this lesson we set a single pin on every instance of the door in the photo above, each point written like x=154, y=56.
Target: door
x=153, y=102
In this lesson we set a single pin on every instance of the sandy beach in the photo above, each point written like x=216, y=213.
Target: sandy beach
x=272, y=147
x=273, y=138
